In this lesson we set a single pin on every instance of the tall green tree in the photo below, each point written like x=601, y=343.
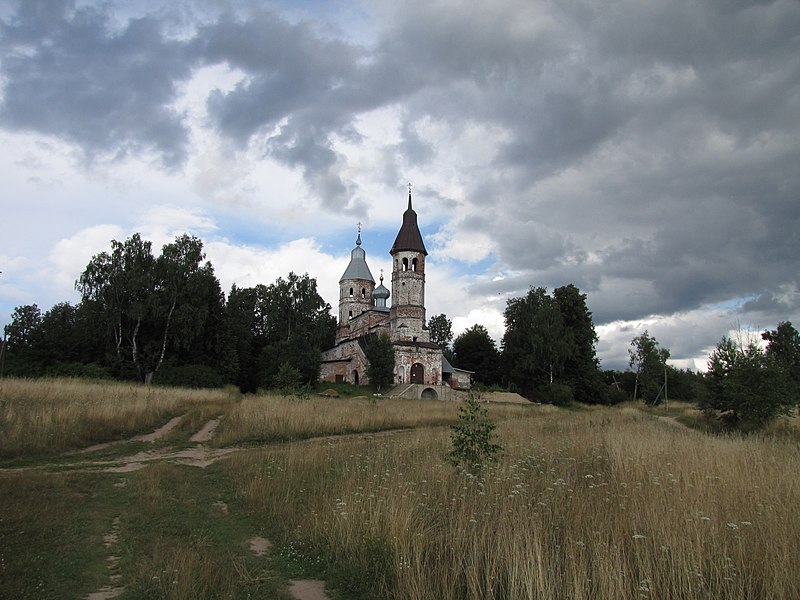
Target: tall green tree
x=648, y=360
x=548, y=349
x=380, y=354
x=581, y=369
x=283, y=322
x=474, y=350
x=441, y=330
x=537, y=341
x=24, y=322
x=151, y=304
x=240, y=324
x=121, y=285
x=783, y=346
x=296, y=353
x=747, y=388
x=68, y=334
x=18, y=351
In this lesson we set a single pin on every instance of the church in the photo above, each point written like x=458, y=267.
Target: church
x=420, y=368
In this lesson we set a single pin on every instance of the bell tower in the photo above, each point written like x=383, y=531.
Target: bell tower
x=356, y=287
x=407, y=314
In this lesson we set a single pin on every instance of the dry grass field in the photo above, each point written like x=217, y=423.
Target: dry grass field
x=585, y=503
x=278, y=418
x=601, y=504
x=40, y=416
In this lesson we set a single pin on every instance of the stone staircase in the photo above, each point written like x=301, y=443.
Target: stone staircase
x=418, y=391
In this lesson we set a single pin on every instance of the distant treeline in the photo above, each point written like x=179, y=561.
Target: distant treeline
x=165, y=319
x=548, y=355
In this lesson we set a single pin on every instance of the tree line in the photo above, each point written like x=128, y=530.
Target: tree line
x=547, y=354
x=164, y=318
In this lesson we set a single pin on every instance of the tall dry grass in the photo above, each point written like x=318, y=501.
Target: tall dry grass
x=274, y=417
x=599, y=504
x=53, y=415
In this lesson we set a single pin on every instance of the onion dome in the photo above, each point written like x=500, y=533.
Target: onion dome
x=381, y=294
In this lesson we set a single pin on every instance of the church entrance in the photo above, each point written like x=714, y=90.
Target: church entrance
x=417, y=373
x=355, y=377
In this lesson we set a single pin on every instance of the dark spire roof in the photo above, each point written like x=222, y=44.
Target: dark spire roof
x=409, y=237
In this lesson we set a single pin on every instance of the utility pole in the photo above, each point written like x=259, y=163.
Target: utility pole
x=3, y=355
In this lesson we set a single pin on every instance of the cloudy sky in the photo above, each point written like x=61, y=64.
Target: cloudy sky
x=647, y=151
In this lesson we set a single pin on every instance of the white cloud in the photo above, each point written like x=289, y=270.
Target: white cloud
x=162, y=224
x=490, y=318
x=247, y=266
x=69, y=256
x=453, y=243
x=690, y=336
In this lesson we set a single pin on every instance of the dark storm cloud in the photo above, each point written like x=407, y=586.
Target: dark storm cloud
x=648, y=150
x=301, y=90
x=652, y=147
x=291, y=72
x=67, y=72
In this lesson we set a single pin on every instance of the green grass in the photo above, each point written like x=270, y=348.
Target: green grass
x=51, y=530
x=178, y=542
x=174, y=539
x=345, y=390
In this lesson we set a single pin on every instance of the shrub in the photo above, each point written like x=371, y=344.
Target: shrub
x=558, y=394
x=287, y=379
x=471, y=437
x=616, y=396
x=191, y=376
x=79, y=370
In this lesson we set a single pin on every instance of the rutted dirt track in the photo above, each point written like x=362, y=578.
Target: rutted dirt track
x=198, y=456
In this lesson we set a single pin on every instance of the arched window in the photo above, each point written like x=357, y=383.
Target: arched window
x=363, y=293
x=414, y=264
x=405, y=264
x=351, y=292
x=349, y=314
